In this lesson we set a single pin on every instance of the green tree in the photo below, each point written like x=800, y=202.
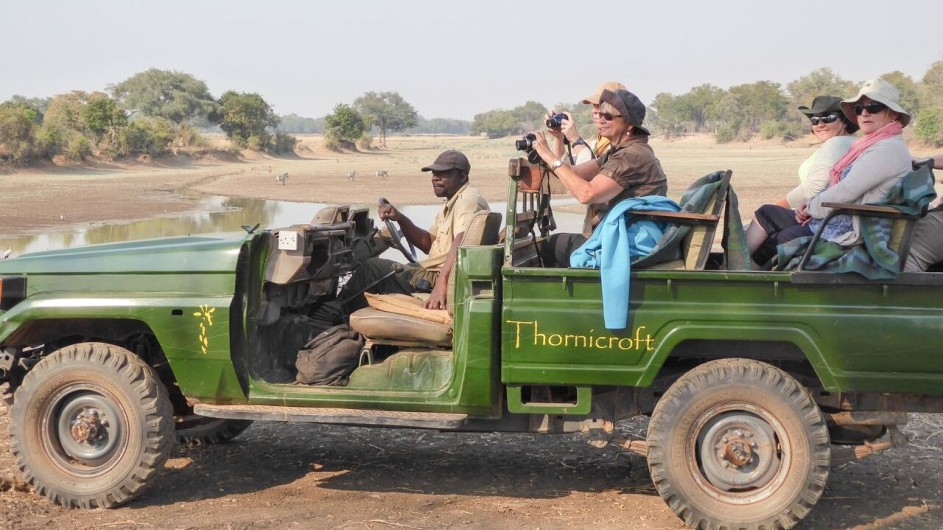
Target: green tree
x=821, y=82
x=175, y=96
x=932, y=84
x=758, y=103
x=344, y=126
x=293, y=123
x=929, y=128
x=387, y=111
x=101, y=115
x=63, y=129
x=530, y=115
x=495, y=123
x=909, y=91
x=17, y=131
x=244, y=117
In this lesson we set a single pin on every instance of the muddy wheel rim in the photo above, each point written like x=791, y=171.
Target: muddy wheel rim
x=84, y=431
x=739, y=453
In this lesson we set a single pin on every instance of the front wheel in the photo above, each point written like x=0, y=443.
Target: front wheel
x=91, y=426
x=736, y=443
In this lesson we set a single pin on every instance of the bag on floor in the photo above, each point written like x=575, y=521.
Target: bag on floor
x=329, y=358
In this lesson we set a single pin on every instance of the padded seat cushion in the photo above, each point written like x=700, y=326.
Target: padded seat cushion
x=407, y=305
x=376, y=324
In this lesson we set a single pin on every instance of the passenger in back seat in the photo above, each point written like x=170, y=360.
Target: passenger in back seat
x=926, y=249
x=628, y=169
x=450, y=181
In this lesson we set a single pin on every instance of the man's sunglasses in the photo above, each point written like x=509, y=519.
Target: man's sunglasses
x=824, y=119
x=873, y=107
x=608, y=116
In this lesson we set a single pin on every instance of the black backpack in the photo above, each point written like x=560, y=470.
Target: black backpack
x=329, y=358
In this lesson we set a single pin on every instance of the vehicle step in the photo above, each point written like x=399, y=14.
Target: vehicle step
x=386, y=418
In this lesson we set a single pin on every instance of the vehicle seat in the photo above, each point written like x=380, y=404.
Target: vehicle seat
x=906, y=205
x=392, y=319
x=687, y=243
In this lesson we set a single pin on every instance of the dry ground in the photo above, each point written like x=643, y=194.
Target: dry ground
x=308, y=476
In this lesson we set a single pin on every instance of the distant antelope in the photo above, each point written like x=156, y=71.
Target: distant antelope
x=382, y=173
x=281, y=179
x=352, y=175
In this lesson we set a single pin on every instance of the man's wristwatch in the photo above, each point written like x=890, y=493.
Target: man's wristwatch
x=579, y=141
x=556, y=164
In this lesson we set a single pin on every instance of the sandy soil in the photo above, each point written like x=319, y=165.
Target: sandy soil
x=308, y=476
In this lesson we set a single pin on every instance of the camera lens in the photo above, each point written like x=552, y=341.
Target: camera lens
x=555, y=121
x=526, y=143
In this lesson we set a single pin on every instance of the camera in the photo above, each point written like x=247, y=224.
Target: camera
x=555, y=121
x=527, y=144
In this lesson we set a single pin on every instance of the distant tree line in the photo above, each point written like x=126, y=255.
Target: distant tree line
x=157, y=111
x=151, y=113
x=763, y=108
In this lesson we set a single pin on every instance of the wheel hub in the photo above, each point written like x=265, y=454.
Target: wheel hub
x=88, y=427
x=738, y=451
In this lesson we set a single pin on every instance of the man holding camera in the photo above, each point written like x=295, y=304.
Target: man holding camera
x=440, y=243
x=628, y=169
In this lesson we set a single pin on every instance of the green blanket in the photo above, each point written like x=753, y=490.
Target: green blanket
x=872, y=257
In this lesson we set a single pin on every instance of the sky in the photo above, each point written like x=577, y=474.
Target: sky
x=457, y=59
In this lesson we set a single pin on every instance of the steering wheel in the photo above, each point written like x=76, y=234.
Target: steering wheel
x=397, y=238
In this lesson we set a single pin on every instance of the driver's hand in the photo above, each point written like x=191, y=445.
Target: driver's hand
x=436, y=298
x=387, y=211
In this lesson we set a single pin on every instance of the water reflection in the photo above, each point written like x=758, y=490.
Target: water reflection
x=221, y=214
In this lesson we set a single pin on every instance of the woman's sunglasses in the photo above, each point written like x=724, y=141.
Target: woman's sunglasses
x=608, y=116
x=873, y=107
x=824, y=119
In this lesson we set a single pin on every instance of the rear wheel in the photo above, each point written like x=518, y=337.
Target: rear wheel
x=737, y=443
x=91, y=425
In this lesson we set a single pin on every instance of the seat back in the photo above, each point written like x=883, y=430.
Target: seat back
x=696, y=246
x=482, y=231
x=687, y=243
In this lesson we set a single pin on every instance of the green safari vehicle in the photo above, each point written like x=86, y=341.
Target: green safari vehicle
x=751, y=379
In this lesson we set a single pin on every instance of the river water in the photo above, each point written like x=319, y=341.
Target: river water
x=223, y=214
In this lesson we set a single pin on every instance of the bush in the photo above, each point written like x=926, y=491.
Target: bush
x=929, y=128
x=331, y=140
x=256, y=142
x=365, y=141
x=744, y=134
x=17, y=132
x=52, y=141
x=284, y=144
x=781, y=129
x=725, y=134
x=151, y=136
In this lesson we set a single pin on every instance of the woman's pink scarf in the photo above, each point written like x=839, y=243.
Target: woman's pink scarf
x=860, y=145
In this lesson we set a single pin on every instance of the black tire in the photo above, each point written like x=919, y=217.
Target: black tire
x=199, y=430
x=736, y=443
x=91, y=425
